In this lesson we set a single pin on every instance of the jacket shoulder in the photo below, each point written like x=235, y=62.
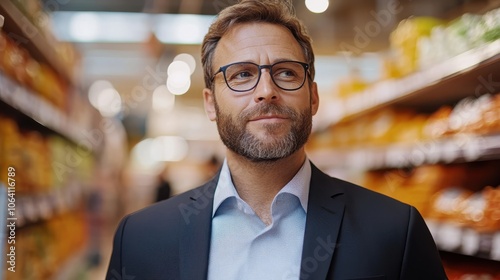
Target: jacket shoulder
x=174, y=209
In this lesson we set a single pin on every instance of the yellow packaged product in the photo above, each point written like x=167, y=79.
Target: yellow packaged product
x=404, y=41
x=11, y=152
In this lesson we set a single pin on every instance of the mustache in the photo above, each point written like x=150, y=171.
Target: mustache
x=267, y=109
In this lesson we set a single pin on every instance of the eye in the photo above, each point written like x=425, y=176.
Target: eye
x=285, y=74
x=242, y=75
x=241, y=72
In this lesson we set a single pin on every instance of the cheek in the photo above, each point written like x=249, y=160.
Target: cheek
x=231, y=107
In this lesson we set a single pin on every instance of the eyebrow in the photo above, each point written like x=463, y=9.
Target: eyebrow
x=273, y=62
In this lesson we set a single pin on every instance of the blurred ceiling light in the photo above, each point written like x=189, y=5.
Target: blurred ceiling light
x=179, y=77
x=188, y=59
x=163, y=100
x=95, y=90
x=101, y=27
x=141, y=155
x=84, y=27
x=109, y=102
x=179, y=67
x=124, y=27
x=185, y=28
x=178, y=85
x=317, y=6
x=169, y=148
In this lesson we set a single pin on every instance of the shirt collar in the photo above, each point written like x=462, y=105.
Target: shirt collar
x=298, y=186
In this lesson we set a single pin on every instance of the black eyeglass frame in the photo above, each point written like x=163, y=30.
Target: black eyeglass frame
x=263, y=66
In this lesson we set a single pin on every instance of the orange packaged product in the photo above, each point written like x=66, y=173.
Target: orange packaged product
x=474, y=115
x=411, y=130
x=466, y=115
x=481, y=211
x=447, y=204
x=380, y=125
x=427, y=180
x=44, y=82
x=11, y=152
x=330, y=138
x=6, y=49
x=437, y=124
x=491, y=116
x=400, y=127
x=39, y=161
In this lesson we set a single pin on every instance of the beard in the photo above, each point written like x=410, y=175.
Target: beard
x=236, y=137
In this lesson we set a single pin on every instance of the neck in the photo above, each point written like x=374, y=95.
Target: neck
x=257, y=183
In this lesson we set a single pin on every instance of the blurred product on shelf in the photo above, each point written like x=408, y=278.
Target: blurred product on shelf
x=11, y=151
x=440, y=191
x=51, y=135
x=34, y=12
x=460, y=35
x=459, y=267
x=437, y=123
x=404, y=43
x=13, y=59
x=389, y=126
x=44, y=163
x=419, y=43
x=351, y=83
x=470, y=115
x=460, y=205
x=45, y=247
x=379, y=128
x=414, y=186
x=478, y=210
x=481, y=210
x=17, y=63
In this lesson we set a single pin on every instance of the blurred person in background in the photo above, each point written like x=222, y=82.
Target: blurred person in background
x=269, y=213
x=163, y=189
x=211, y=166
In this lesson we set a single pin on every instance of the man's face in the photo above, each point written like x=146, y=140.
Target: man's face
x=265, y=123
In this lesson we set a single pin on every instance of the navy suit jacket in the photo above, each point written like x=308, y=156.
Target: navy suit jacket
x=351, y=233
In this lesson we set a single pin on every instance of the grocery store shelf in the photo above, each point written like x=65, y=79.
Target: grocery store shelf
x=474, y=72
x=41, y=111
x=72, y=267
x=22, y=30
x=460, y=148
x=456, y=238
x=3, y=224
x=41, y=207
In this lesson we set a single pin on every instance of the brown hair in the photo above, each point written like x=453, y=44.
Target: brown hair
x=270, y=11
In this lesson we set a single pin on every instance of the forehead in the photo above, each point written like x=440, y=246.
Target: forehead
x=258, y=42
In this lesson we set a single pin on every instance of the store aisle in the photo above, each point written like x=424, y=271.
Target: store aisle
x=99, y=272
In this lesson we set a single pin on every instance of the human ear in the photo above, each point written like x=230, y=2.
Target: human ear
x=209, y=102
x=314, y=98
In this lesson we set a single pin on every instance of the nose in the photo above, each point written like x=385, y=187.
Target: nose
x=266, y=90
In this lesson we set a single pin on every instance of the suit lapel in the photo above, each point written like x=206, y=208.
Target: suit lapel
x=194, y=246
x=324, y=218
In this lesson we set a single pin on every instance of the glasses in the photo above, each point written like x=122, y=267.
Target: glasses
x=244, y=76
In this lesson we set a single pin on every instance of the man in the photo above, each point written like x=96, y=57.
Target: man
x=270, y=213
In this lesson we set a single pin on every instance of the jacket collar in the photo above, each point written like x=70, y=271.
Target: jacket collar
x=194, y=247
x=323, y=222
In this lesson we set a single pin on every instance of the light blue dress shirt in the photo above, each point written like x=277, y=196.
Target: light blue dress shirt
x=242, y=247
